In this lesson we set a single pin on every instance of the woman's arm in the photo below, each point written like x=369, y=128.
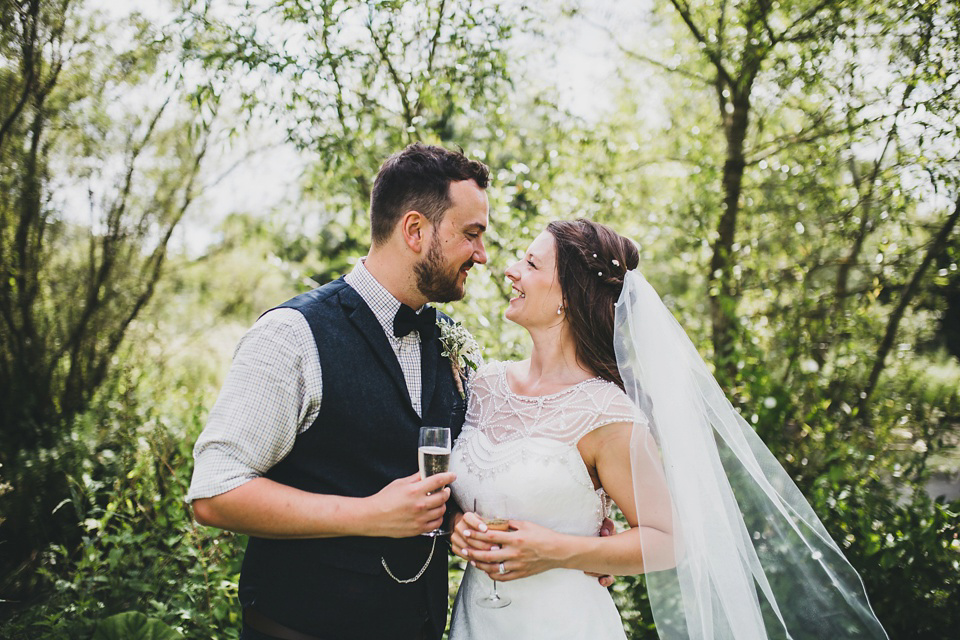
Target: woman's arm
x=529, y=549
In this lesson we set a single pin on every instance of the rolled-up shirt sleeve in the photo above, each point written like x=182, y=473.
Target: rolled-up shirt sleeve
x=272, y=393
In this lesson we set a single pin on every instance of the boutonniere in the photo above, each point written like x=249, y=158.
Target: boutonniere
x=461, y=348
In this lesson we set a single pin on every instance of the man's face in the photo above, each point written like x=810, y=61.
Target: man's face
x=456, y=244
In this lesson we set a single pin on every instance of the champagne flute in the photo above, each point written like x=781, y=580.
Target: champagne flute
x=433, y=455
x=492, y=509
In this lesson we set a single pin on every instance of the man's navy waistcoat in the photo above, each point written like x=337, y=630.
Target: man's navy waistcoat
x=364, y=437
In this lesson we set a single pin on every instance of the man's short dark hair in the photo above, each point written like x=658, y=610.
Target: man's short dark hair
x=418, y=179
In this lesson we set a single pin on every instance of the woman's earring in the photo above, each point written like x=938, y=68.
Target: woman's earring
x=560, y=310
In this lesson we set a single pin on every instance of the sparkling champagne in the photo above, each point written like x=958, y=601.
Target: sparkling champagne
x=433, y=460
x=497, y=524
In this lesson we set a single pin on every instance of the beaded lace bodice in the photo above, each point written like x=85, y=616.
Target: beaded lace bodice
x=526, y=448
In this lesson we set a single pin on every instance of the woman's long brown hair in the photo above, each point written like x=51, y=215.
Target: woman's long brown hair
x=592, y=260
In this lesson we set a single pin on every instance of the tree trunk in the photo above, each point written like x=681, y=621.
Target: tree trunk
x=723, y=289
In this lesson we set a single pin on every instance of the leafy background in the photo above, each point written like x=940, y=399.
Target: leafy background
x=169, y=170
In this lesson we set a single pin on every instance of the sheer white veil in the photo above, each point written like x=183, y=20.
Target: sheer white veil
x=748, y=558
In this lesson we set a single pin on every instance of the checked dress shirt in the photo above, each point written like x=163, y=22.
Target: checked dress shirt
x=274, y=389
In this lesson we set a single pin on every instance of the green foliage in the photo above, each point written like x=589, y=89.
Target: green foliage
x=71, y=283
x=351, y=82
x=140, y=549
x=133, y=626
x=630, y=594
x=906, y=549
x=849, y=173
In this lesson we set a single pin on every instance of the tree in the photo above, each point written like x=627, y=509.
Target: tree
x=80, y=120
x=351, y=82
x=738, y=42
x=841, y=259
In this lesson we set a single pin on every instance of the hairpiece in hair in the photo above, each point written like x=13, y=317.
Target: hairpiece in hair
x=616, y=263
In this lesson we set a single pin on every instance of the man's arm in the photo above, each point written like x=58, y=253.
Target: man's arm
x=272, y=392
x=268, y=509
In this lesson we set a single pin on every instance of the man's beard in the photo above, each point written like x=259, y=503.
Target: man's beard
x=433, y=281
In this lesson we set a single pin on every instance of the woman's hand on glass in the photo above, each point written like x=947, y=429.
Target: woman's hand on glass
x=463, y=540
x=525, y=550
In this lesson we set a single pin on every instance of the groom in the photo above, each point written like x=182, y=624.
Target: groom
x=311, y=448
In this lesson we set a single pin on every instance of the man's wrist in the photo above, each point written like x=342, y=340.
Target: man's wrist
x=357, y=516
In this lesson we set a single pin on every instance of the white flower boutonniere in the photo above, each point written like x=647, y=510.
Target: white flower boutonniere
x=461, y=348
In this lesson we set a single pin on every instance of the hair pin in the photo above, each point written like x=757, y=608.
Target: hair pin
x=616, y=263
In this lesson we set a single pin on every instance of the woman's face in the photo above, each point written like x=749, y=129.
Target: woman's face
x=535, y=284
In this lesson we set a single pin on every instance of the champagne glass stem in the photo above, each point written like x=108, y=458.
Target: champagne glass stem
x=493, y=509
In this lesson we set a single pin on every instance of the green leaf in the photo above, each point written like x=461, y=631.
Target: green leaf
x=133, y=625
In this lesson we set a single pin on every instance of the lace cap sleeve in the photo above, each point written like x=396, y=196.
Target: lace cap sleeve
x=614, y=406
x=485, y=375
x=564, y=416
x=595, y=404
x=479, y=388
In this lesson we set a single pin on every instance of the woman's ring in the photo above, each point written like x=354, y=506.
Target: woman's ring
x=503, y=569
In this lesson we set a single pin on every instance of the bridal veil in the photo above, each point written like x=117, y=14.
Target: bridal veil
x=748, y=558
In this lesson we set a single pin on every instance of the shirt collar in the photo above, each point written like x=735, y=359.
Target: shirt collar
x=380, y=301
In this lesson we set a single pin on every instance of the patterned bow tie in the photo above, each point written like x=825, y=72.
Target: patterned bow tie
x=408, y=320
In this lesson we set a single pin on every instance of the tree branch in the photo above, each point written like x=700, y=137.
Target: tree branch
x=802, y=20
x=684, y=10
x=663, y=65
x=893, y=322
x=810, y=134
x=93, y=301
x=402, y=87
x=774, y=38
x=150, y=273
x=433, y=49
x=643, y=58
x=27, y=70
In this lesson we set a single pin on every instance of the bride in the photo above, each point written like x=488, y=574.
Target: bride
x=553, y=434
x=615, y=403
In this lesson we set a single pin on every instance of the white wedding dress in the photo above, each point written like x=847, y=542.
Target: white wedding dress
x=526, y=448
